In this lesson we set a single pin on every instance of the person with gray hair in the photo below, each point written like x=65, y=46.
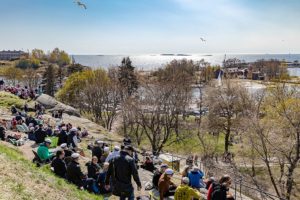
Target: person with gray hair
x=185, y=192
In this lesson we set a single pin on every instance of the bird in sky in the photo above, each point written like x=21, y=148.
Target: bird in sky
x=202, y=39
x=80, y=4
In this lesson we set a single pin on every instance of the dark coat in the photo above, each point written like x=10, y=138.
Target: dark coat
x=124, y=167
x=219, y=192
x=93, y=170
x=97, y=151
x=156, y=178
x=60, y=167
x=62, y=137
x=40, y=135
x=74, y=174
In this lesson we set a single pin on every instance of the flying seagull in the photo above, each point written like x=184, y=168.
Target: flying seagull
x=202, y=39
x=82, y=5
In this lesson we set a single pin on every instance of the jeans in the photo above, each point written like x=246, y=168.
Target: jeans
x=129, y=198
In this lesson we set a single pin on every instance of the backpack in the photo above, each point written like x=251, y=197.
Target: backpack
x=219, y=192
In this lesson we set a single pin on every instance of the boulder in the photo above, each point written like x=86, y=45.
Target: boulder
x=51, y=103
x=47, y=101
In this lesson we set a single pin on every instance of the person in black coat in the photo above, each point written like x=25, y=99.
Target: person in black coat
x=121, y=169
x=158, y=174
x=221, y=190
x=62, y=136
x=74, y=173
x=68, y=152
x=72, y=138
x=59, y=164
x=97, y=150
x=40, y=134
x=2, y=132
x=93, y=168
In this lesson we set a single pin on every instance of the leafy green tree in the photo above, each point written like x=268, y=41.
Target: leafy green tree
x=49, y=77
x=127, y=77
x=59, y=57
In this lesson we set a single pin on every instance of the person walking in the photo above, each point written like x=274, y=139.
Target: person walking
x=121, y=169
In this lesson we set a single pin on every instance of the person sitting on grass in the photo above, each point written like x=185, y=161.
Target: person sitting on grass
x=43, y=151
x=97, y=150
x=185, y=192
x=93, y=168
x=64, y=147
x=59, y=164
x=74, y=173
x=101, y=179
x=166, y=187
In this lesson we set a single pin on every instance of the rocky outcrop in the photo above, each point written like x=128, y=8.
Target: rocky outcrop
x=53, y=105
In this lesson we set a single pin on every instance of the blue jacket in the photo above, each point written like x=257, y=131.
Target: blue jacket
x=196, y=179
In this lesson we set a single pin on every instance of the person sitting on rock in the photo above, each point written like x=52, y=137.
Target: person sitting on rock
x=185, y=192
x=40, y=134
x=43, y=151
x=158, y=174
x=59, y=164
x=148, y=164
x=166, y=187
x=196, y=178
x=62, y=136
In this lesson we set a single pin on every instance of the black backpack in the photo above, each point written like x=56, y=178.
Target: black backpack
x=219, y=192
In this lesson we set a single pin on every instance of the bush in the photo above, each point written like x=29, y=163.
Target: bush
x=28, y=63
x=8, y=99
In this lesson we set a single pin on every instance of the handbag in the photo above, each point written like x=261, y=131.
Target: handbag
x=119, y=188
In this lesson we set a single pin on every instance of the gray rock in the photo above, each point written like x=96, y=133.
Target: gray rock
x=47, y=101
x=51, y=103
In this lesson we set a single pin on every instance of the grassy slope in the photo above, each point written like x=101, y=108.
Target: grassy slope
x=20, y=179
x=7, y=100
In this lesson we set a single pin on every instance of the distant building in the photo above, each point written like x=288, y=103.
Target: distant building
x=11, y=55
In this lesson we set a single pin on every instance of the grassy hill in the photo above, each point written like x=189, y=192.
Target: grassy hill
x=20, y=179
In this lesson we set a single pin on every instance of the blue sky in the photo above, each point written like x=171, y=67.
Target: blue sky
x=152, y=26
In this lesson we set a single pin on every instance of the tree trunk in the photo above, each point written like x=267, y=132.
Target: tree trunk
x=227, y=136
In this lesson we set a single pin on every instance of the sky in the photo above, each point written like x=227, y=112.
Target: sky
x=151, y=26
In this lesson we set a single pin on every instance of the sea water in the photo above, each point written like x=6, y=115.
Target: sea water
x=152, y=62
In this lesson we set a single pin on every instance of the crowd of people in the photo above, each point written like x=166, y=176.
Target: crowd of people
x=110, y=170
x=23, y=92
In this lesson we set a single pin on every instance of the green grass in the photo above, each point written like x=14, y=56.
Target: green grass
x=8, y=99
x=33, y=176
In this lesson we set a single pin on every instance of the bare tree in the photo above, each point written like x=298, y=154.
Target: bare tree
x=275, y=137
x=227, y=104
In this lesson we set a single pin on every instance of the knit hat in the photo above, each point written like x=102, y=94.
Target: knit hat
x=75, y=155
x=64, y=145
x=169, y=171
x=117, y=148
